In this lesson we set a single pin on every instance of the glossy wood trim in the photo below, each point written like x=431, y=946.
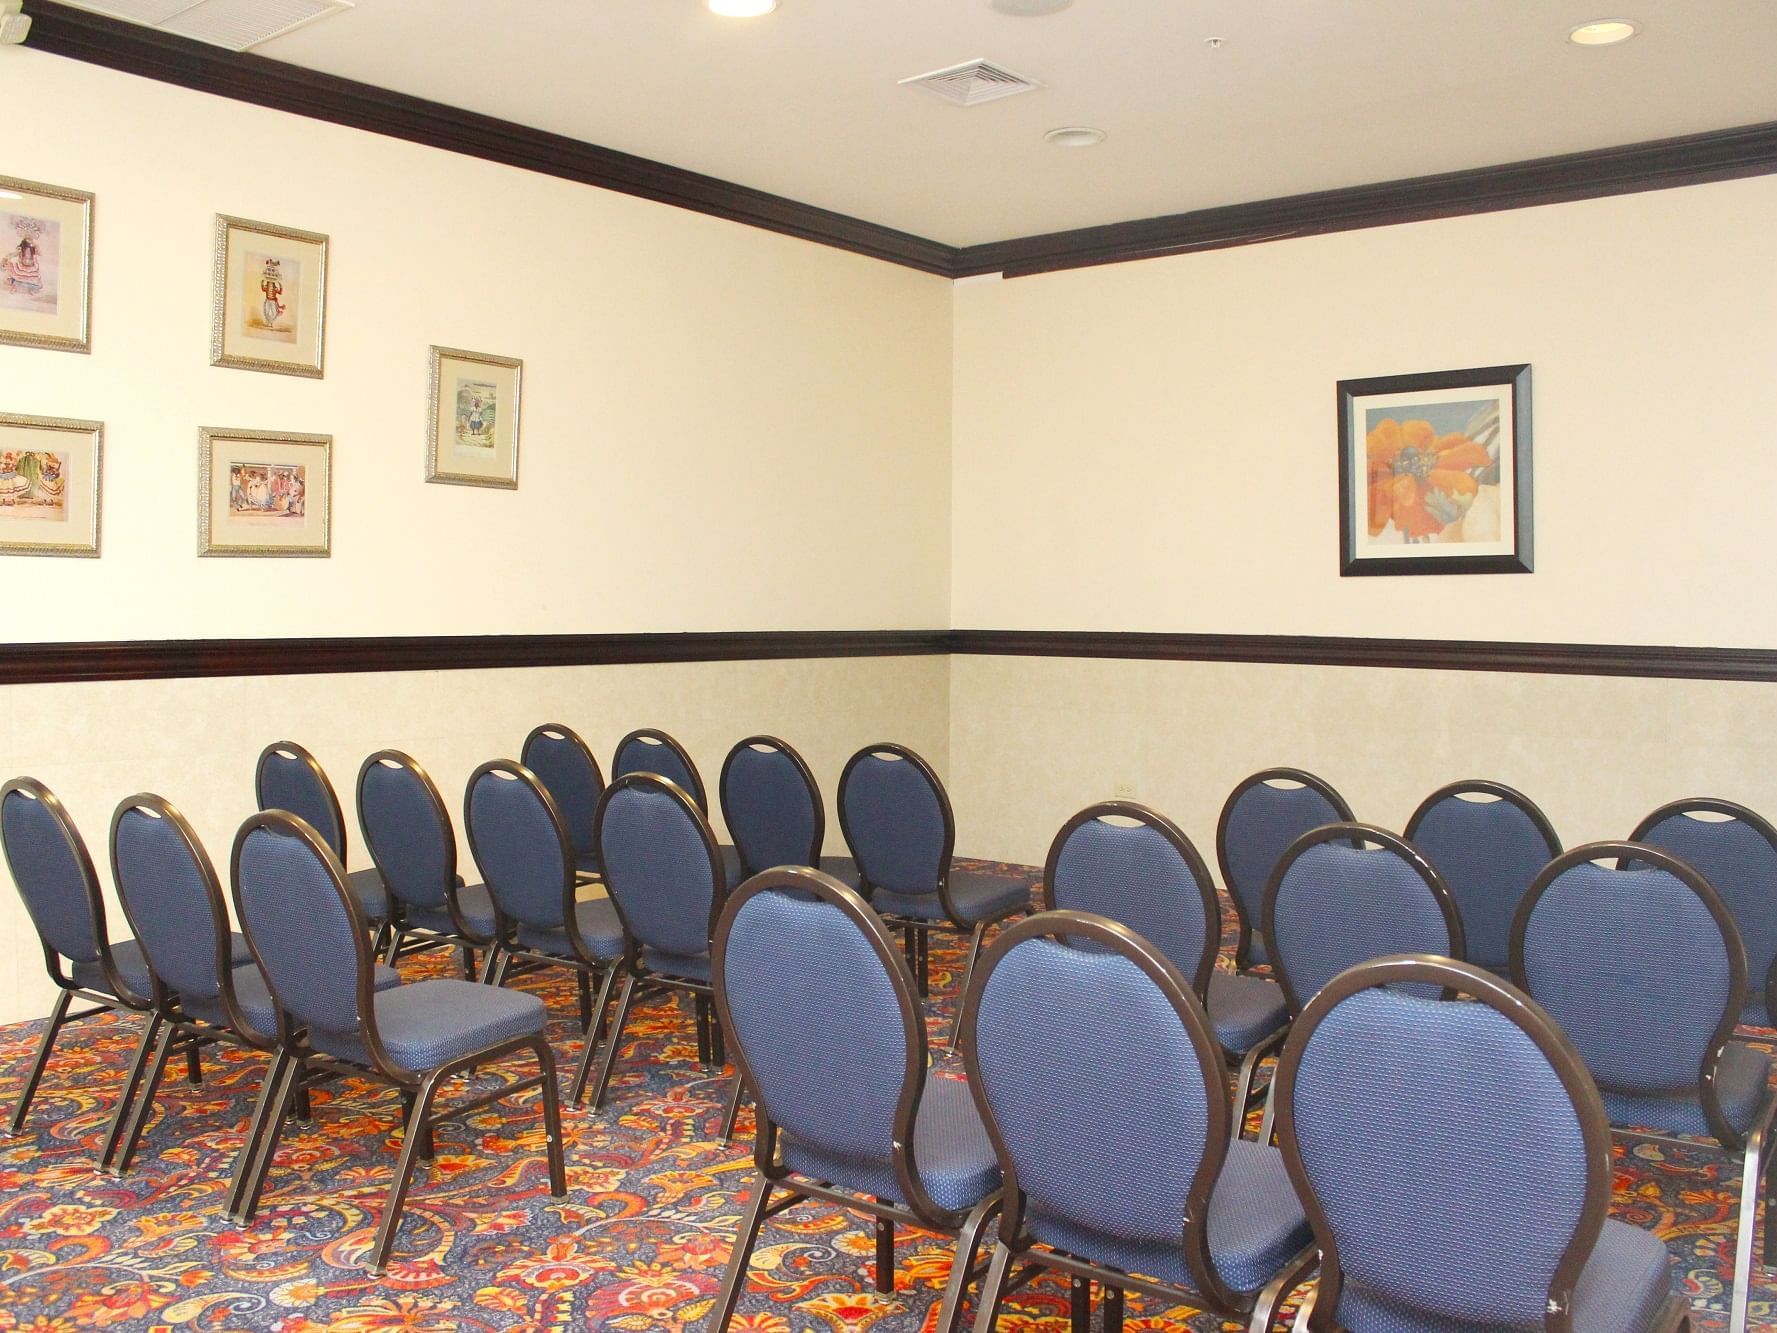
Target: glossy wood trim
x=32, y=663
x=1562, y=659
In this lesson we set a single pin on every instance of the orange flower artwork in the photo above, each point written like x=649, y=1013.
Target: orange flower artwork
x=1422, y=482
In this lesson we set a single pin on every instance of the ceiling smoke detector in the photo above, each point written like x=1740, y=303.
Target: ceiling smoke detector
x=1075, y=136
x=1604, y=32
x=1030, y=9
x=972, y=83
x=237, y=25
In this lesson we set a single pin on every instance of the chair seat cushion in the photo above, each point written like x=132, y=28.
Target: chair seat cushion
x=367, y=887
x=254, y=999
x=695, y=967
x=473, y=901
x=1754, y=1015
x=841, y=868
x=425, y=1024
x=1244, y=1010
x=955, y=1157
x=600, y=928
x=133, y=967
x=586, y=865
x=978, y=897
x=1740, y=1082
x=1256, y=1224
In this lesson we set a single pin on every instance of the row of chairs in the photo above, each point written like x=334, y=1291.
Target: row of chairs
x=1443, y=1164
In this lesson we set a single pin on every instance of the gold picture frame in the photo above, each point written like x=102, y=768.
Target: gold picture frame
x=264, y=493
x=473, y=401
x=51, y=485
x=46, y=266
x=268, y=301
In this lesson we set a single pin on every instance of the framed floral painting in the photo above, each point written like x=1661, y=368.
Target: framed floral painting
x=50, y=471
x=264, y=493
x=472, y=403
x=268, y=306
x=46, y=264
x=1434, y=473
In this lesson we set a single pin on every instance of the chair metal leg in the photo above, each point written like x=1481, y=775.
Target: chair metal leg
x=468, y=955
x=418, y=1131
x=1079, y=1304
x=993, y=1287
x=1750, y=1189
x=407, y=1104
x=194, y=1069
x=132, y=1083
x=733, y=1112
x=267, y=1148
x=489, y=963
x=393, y=951
x=592, y=1036
x=1249, y=1069
x=1272, y=1295
x=1268, y=1122
x=585, y=989
x=1113, y=1310
x=302, y=1108
x=558, y=1171
x=58, y=1015
x=885, y=1253
x=384, y=931
x=962, y=1267
x=700, y=1011
x=924, y=940
x=504, y=967
x=275, y=1073
x=612, y=1042
x=718, y=1042
x=956, y=1022
x=144, y=1107
x=739, y=1258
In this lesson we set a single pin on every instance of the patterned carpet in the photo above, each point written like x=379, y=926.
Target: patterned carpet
x=639, y=1243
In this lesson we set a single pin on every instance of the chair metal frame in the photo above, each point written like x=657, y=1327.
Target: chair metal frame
x=1265, y=776
x=296, y=1064
x=1017, y=1244
x=67, y=990
x=1457, y=978
x=711, y=1048
x=644, y=735
x=916, y=931
x=819, y=838
x=561, y=731
x=505, y=952
x=400, y=945
x=1756, y=1164
x=1245, y=1065
x=921, y=1211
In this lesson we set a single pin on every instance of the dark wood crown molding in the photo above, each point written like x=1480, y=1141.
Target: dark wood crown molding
x=1748, y=150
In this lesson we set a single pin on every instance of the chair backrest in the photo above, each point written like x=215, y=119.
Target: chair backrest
x=407, y=829
x=172, y=897
x=1134, y=865
x=1112, y=1129
x=827, y=1028
x=520, y=844
x=896, y=818
x=565, y=766
x=1736, y=850
x=1262, y=816
x=772, y=805
x=662, y=865
x=1453, y=1159
x=305, y=928
x=288, y=777
x=53, y=871
x=1488, y=842
x=648, y=750
x=1346, y=893
x=1640, y=963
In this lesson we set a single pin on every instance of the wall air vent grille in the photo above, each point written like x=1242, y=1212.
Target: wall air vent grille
x=238, y=25
x=972, y=83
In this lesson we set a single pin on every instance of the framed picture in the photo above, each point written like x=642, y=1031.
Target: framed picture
x=46, y=266
x=268, y=308
x=1434, y=473
x=264, y=493
x=50, y=473
x=472, y=418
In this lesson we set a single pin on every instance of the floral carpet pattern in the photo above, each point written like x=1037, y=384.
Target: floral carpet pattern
x=640, y=1243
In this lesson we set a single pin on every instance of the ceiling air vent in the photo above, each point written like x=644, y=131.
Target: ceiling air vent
x=238, y=25
x=973, y=82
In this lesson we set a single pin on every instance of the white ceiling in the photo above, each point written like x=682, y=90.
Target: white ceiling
x=1302, y=95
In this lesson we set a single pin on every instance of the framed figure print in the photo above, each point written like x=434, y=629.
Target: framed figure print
x=46, y=263
x=268, y=304
x=472, y=407
x=50, y=474
x=264, y=493
x=1434, y=473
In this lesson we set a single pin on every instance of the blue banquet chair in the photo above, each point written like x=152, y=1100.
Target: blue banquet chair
x=1262, y=816
x=829, y=1030
x=772, y=806
x=564, y=764
x=648, y=750
x=1454, y=1160
x=1114, y=1142
x=308, y=935
x=1640, y=962
x=1132, y=864
x=287, y=777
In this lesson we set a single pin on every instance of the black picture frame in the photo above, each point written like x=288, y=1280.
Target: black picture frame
x=1510, y=475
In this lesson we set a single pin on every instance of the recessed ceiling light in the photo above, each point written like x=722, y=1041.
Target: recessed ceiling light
x=1603, y=32
x=1075, y=136
x=741, y=9
x=1030, y=9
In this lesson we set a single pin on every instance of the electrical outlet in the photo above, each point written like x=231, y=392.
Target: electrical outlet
x=1124, y=791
